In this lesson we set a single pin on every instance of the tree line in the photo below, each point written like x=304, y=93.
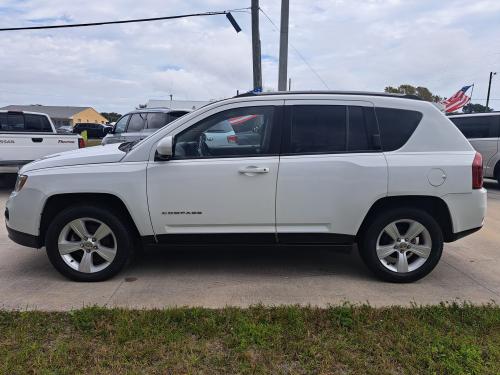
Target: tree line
x=426, y=94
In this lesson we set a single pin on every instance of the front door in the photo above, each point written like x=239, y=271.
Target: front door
x=216, y=186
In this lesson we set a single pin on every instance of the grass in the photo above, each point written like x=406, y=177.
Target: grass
x=444, y=339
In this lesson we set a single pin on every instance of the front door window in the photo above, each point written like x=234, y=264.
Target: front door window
x=232, y=133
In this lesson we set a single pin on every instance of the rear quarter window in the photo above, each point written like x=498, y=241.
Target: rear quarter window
x=396, y=126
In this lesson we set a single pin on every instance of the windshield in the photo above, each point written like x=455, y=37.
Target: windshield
x=127, y=146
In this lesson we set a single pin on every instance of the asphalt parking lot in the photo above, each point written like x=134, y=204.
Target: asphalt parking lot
x=215, y=277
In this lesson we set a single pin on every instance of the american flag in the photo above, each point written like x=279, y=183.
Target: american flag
x=457, y=100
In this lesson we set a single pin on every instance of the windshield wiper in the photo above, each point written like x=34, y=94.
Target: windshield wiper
x=127, y=146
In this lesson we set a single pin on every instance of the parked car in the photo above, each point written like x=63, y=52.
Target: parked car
x=483, y=132
x=385, y=171
x=27, y=136
x=139, y=124
x=95, y=131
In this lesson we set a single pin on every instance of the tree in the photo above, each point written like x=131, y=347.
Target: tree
x=420, y=91
x=475, y=108
x=111, y=116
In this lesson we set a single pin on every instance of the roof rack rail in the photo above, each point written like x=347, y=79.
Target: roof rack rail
x=367, y=93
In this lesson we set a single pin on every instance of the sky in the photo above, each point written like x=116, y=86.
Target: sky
x=346, y=44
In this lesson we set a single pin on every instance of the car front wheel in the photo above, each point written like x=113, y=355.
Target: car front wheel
x=88, y=243
x=402, y=245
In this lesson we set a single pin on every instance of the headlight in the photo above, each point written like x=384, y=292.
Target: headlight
x=21, y=180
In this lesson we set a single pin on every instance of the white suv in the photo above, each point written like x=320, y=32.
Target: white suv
x=390, y=173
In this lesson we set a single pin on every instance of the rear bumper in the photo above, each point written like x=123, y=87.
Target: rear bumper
x=467, y=211
x=24, y=239
x=465, y=233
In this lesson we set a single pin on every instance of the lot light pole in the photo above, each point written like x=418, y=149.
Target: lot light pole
x=257, y=67
x=283, y=59
x=489, y=89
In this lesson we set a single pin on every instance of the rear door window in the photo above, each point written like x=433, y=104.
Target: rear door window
x=157, y=120
x=318, y=129
x=137, y=122
x=478, y=126
x=37, y=123
x=362, y=127
x=396, y=126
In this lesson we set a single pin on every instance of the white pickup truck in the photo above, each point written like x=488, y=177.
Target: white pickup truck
x=28, y=136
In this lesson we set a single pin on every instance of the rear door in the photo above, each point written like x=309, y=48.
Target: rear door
x=483, y=134
x=331, y=170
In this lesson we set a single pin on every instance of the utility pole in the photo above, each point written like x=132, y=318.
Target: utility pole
x=283, y=59
x=257, y=67
x=489, y=89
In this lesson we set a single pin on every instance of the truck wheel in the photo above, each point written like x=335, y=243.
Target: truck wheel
x=88, y=243
x=402, y=245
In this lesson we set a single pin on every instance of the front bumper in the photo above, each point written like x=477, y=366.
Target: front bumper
x=24, y=239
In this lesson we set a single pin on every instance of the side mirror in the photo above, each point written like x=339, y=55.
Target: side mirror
x=164, y=149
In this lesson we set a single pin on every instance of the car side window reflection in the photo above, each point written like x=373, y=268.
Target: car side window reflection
x=236, y=132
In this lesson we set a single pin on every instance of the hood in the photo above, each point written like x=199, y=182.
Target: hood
x=91, y=155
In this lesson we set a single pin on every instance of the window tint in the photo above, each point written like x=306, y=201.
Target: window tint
x=37, y=123
x=12, y=122
x=318, y=128
x=4, y=126
x=215, y=136
x=478, y=126
x=396, y=126
x=175, y=115
x=136, y=123
x=157, y=120
x=362, y=129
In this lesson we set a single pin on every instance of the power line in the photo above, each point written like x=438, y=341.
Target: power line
x=123, y=21
x=297, y=52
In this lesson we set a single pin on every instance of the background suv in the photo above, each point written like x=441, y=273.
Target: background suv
x=387, y=172
x=139, y=124
x=483, y=132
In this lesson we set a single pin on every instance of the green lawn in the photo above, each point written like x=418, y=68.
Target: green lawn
x=445, y=339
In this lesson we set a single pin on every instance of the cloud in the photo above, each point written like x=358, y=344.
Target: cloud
x=357, y=45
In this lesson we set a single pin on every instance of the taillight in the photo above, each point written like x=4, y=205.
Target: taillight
x=477, y=171
x=81, y=143
x=232, y=138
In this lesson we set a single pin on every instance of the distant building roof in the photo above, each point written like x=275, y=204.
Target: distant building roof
x=52, y=111
x=176, y=104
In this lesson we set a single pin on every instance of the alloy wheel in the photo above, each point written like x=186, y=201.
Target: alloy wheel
x=87, y=245
x=404, y=245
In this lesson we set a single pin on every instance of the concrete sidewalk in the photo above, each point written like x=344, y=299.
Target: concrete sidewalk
x=211, y=277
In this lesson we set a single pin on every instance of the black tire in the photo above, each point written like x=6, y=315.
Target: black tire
x=121, y=231
x=368, y=244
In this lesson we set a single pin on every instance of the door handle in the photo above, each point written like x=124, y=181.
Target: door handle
x=253, y=169
x=37, y=140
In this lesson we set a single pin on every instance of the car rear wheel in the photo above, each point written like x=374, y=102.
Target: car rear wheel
x=402, y=245
x=88, y=243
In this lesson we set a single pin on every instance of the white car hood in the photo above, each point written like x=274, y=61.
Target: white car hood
x=91, y=155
